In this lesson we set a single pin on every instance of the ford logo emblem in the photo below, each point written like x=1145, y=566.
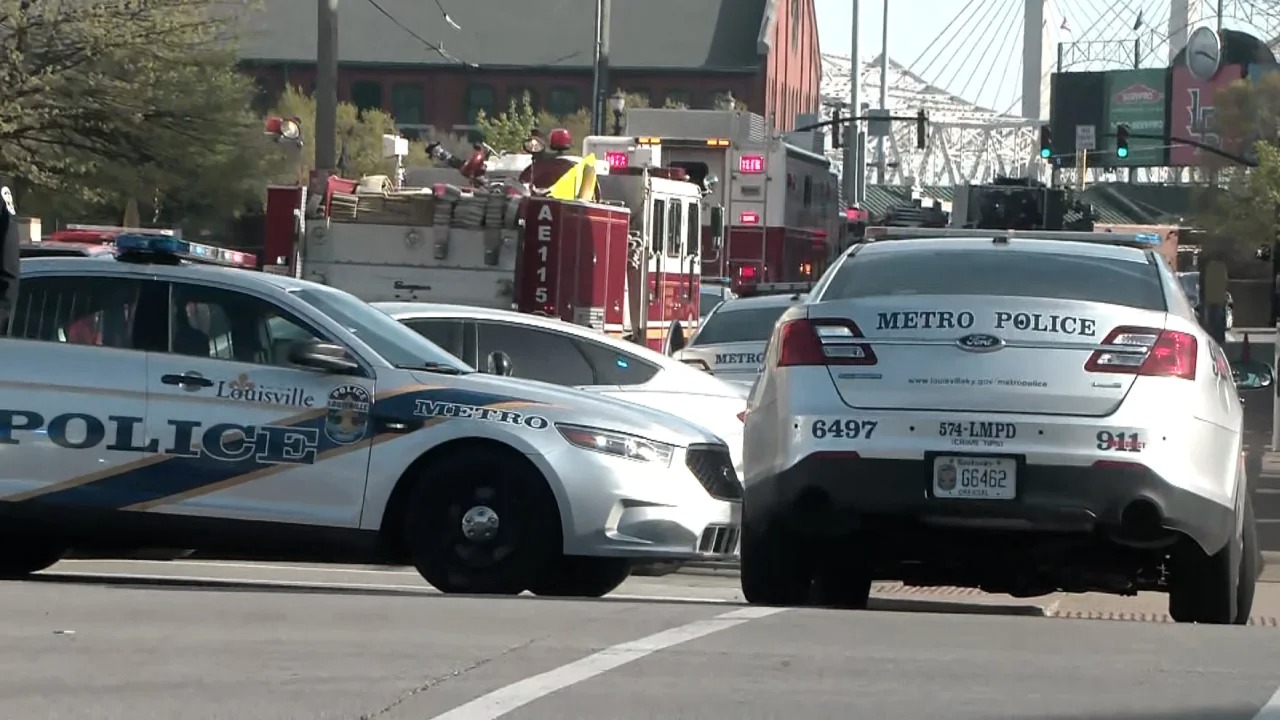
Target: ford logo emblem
x=980, y=343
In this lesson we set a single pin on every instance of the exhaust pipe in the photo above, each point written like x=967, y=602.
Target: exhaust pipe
x=1142, y=526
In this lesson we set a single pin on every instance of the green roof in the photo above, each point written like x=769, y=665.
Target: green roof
x=649, y=34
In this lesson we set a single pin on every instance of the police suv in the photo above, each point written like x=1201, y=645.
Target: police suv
x=1019, y=412
x=730, y=341
x=156, y=402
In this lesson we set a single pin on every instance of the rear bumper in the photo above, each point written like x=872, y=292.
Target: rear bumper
x=833, y=493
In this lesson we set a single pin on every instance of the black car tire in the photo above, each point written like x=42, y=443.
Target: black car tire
x=774, y=567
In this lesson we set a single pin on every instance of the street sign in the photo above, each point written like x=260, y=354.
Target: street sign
x=878, y=123
x=1086, y=137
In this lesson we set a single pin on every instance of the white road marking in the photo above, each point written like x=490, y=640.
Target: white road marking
x=390, y=570
x=518, y=694
x=1270, y=711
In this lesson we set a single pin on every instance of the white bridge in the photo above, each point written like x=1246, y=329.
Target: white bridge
x=977, y=128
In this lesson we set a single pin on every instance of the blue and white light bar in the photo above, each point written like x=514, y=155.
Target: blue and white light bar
x=164, y=243
x=1139, y=240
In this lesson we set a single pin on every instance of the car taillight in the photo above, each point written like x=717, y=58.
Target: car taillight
x=1147, y=351
x=822, y=342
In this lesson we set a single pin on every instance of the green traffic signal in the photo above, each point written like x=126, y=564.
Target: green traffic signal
x=1045, y=152
x=1122, y=152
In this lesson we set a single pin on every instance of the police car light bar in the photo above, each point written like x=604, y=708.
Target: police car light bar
x=117, y=229
x=1139, y=240
x=778, y=288
x=163, y=244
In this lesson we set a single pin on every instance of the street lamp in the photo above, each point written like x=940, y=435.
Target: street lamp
x=618, y=104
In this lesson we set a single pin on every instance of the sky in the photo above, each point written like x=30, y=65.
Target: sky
x=914, y=25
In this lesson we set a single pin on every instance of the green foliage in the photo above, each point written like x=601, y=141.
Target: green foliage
x=1241, y=207
x=508, y=130
x=114, y=100
x=358, y=141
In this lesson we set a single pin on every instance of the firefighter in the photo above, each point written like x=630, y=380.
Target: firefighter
x=8, y=258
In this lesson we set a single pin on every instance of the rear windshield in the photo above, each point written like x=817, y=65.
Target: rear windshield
x=1190, y=283
x=1006, y=273
x=726, y=326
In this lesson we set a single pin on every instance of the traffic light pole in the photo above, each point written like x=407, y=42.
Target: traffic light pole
x=921, y=119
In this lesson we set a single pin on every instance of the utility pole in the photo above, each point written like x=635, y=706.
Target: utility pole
x=600, y=76
x=326, y=93
x=853, y=175
x=882, y=170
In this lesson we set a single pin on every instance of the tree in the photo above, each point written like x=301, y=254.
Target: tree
x=117, y=99
x=359, y=141
x=1241, y=206
x=508, y=130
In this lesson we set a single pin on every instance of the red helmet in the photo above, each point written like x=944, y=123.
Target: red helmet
x=560, y=140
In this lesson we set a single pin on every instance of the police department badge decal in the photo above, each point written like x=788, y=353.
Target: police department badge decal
x=347, y=415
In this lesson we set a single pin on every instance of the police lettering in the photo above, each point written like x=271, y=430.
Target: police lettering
x=739, y=358
x=1046, y=323
x=1023, y=321
x=924, y=320
x=224, y=442
x=433, y=408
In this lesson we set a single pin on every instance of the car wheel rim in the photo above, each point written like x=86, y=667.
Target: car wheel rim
x=480, y=527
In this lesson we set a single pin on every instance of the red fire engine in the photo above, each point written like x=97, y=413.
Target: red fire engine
x=781, y=202
x=622, y=257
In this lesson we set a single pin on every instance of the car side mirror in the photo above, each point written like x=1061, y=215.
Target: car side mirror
x=499, y=363
x=1252, y=374
x=323, y=356
x=717, y=226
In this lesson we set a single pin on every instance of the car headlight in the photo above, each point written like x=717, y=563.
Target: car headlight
x=617, y=444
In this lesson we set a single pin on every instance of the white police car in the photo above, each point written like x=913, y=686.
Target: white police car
x=730, y=342
x=150, y=402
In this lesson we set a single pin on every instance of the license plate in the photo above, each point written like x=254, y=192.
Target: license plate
x=975, y=478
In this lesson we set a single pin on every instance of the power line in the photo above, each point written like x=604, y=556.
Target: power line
x=437, y=48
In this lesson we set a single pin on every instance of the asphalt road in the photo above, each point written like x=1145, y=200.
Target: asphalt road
x=114, y=641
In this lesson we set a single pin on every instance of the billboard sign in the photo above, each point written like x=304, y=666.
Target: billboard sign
x=1136, y=98
x=1192, y=111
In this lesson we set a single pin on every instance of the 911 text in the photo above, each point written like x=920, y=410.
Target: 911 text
x=843, y=429
x=1121, y=441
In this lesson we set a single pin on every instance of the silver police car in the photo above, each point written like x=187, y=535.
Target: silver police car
x=1023, y=413
x=730, y=341
x=151, y=403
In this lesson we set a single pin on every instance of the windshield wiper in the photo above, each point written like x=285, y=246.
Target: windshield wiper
x=434, y=367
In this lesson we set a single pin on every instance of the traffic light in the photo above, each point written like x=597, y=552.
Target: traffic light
x=922, y=127
x=1046, y=142
x=1122, y=141
x=837, y=127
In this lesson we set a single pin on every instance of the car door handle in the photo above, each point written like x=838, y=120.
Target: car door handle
x=186, y=379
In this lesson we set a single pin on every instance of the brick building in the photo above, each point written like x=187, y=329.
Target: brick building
x=764, y=52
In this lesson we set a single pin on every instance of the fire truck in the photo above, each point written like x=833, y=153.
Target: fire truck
x=622, y=257
x=781, y=202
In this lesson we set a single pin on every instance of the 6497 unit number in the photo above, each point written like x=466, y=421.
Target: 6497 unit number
x=843, y=429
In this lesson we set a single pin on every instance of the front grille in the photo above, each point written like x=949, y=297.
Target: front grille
x=719, y=540
x=714, y=469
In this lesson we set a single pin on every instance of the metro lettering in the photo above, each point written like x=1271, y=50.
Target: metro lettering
x=924, y=320
x=1047, y=323
x=739, y=358
x=435, y=408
